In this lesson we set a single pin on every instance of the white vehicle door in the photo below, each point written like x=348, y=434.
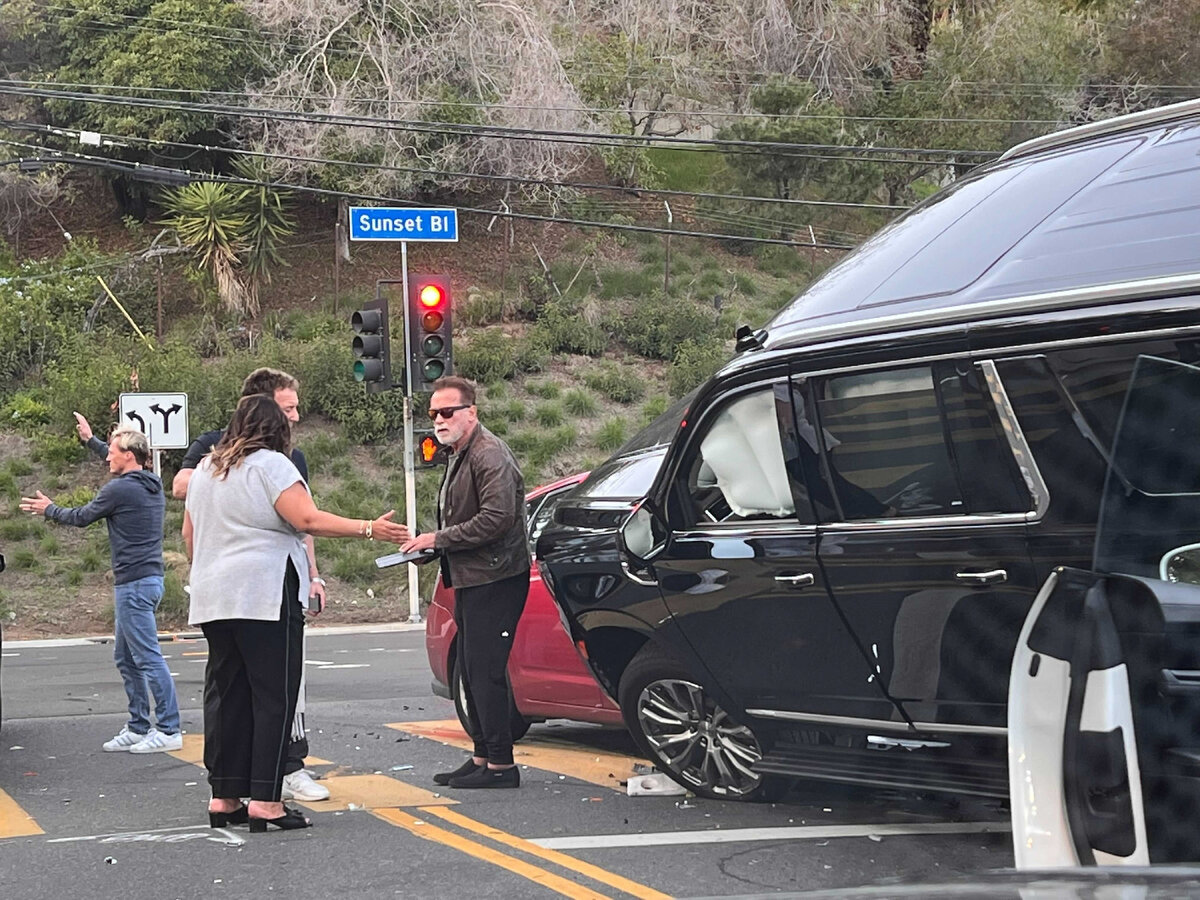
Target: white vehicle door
x=1104, y=691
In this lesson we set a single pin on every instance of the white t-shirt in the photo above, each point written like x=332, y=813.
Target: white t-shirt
x=240, y=544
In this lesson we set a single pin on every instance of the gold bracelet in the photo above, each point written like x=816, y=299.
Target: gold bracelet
x=362, y=527
x=370, y=528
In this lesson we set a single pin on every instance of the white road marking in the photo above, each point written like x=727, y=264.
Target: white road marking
x=177, y=835
x=735, y=835
x=345, y=666
x=10, y=654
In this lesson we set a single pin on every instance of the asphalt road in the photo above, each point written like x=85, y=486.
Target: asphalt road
x=78, y=822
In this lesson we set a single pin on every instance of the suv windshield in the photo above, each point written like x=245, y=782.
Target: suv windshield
x=1150, y=518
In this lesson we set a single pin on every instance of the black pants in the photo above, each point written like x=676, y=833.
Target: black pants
x=487, y=618
x=250, y=689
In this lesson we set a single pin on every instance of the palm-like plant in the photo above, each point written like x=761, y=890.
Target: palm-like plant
x=235, y=232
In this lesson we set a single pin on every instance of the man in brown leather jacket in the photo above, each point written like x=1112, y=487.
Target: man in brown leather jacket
x=484, y=557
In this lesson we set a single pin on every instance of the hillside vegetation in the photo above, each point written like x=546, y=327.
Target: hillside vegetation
x=572, y=362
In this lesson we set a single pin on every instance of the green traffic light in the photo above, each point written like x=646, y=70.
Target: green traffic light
x=434, y=369
x=432, y=345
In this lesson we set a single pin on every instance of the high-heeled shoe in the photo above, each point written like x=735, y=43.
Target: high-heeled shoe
x=291, y=819
x=239, y=816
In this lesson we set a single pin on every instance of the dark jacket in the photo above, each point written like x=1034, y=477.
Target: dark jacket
x=481, y=514
x=132, y=505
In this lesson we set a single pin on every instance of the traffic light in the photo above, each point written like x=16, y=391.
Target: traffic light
x=427, y=451
x=372, y=350
x=429, y=326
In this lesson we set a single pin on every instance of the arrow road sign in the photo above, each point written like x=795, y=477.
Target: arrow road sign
x=163, y=418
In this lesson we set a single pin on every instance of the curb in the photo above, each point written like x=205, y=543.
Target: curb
x=312, y=631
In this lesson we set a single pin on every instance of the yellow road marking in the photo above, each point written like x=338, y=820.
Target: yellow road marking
x=14, y=821
x=597, y=767
x=372, y=792
x=546, y=879
x=560, y=859
x=193, y=752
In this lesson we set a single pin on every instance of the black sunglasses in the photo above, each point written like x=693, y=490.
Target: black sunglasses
x=447, y=411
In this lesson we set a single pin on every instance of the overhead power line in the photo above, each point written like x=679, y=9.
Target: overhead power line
x=920, y=154
x=509, y=179
x=179, y=175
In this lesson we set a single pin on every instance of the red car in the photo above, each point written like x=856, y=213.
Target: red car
x=549, y=679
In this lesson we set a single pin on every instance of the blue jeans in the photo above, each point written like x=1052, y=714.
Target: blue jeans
x=139, y=660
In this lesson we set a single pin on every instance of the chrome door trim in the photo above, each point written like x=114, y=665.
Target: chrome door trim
x=964, y=313
x=880, y=724
x=1017, y=442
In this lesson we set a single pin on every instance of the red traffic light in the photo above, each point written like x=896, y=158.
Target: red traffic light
x=430, y=296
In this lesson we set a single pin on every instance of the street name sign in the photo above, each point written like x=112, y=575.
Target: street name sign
x=163, y=418
x=396, y=223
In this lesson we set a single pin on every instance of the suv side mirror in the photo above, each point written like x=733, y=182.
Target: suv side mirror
x=1181, y=565
x=643, y=535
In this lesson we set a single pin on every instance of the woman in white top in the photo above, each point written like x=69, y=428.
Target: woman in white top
x=247, y=513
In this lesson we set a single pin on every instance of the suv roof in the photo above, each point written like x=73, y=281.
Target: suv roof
x=1107, y=211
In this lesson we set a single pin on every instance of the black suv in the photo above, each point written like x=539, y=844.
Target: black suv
x=831, y=570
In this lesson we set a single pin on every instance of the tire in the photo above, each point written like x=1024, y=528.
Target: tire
x=518, y=724
x=687, y=734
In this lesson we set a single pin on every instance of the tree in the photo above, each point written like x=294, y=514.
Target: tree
x=235, y=232
x=794, y=173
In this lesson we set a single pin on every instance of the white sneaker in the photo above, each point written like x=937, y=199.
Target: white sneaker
x=157, y=741
x=300, y=786
x=125, y=740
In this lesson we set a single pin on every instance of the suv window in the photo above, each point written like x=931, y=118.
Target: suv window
x=735, y=470
x=918, y=441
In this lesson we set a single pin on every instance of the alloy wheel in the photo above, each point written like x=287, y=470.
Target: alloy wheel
x=697, y=740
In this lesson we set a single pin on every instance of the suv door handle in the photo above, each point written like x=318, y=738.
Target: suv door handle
x=992, y=576
x=803, y=580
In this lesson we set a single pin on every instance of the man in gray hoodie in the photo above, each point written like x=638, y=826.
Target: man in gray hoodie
x=132, y=504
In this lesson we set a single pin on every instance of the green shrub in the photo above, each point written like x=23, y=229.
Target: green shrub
x=694, y=363
x=580, y=403
x=92, y=560
x=620, y=385
x=173, y=610
x=19, y=528
x=19, y=468
x=657, y=328
x=481, y=308
x=77, y=496
x=549, y=415
x=8, y=486
x=638, y=284
x=654, y=407
x=26, y=560
x=564, y=328
x=610, y=435
x=547, y=390
x=74, y=577
x=322, y=450
x=48, y=545
x=532, y=352
x=488, y=356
